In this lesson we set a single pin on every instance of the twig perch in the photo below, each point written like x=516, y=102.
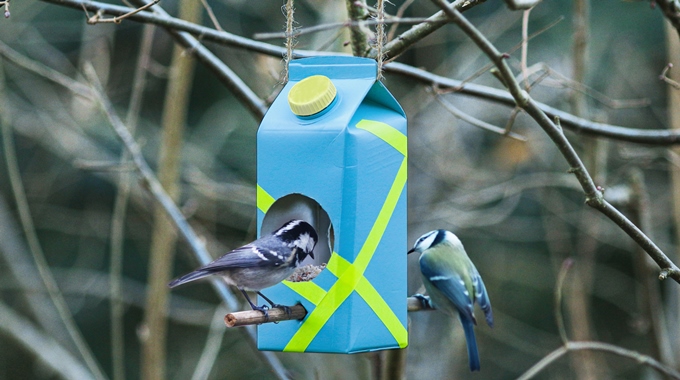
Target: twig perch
x=256, y=317
x=593, y=193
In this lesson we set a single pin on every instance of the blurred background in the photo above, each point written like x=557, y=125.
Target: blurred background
x=511, y=201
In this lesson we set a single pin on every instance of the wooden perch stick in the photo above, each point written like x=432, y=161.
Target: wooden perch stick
x=255, y=317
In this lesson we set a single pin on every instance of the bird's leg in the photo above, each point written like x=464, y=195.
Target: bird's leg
x=425, y=301
x=262, y=308
x=284, y=307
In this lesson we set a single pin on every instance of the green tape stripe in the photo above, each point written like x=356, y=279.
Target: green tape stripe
x=336, y=295
x=354, y=273
x=386, y=133
x=383, y=311
x=307, y=289
x=337, y=264
x=264, y=200
x=374, y=300
x=371, y=244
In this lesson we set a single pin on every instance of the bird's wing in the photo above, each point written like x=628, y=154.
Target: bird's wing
x=247, y=256
x=450, y=284
x=482, y=297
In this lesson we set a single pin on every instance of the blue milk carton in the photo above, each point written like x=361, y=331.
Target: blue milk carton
x=332, y=150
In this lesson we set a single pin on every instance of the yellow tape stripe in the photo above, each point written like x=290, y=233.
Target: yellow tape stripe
x=383, y=311
x=336, y=295
x=264, y=200
x=386, y=133
x=307, y=289
x=337, y=264
x=310, y=290
x=378, y=229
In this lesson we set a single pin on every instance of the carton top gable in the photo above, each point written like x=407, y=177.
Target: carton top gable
x=355, y=81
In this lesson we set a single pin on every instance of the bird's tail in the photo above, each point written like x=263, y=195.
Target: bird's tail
x=473, y=355
x=195, y=275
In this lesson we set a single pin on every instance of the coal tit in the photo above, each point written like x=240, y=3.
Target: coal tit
x=262, y=263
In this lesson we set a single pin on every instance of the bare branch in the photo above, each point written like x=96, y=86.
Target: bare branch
x=661, y=137
x=476, y=122
x=598, y=346
x=593, y=193
x=34, y=244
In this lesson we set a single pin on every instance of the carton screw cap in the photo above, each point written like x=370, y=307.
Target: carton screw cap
x=311, y=95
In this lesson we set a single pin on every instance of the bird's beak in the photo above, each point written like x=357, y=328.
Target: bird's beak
x=311, y=253
x=410, y=251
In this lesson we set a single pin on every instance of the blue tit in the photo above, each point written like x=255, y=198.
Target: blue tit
x=262, y=263
x=453, y=283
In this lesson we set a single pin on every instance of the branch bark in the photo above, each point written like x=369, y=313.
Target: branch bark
x=660, y=137
x=593, y=194
x=598, y=346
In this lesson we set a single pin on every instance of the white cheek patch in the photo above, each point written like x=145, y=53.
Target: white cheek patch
x=426, y=240
x=305, y=242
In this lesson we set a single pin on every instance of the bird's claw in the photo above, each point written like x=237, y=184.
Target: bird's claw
x=424, y=301
x=264, y=309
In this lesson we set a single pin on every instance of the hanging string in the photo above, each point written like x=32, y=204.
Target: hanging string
x=290, y=40
x=380, y=36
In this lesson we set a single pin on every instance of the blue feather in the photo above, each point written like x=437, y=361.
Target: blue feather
x=473, y=354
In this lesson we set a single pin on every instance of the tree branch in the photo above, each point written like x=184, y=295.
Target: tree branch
x=593, y=193
x=661, y=137
x=598, y=346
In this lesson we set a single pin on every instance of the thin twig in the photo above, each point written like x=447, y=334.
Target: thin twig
x=559, y=317
x=416, y=33
x=34, y=243
x=598, y=346
x=211, y=15
x=338, y=25
x=525, y=46
x=120, y=210
x=400, y=16
x=660, y=137
x=663, y=76
x=476, y=122
x=593, y=194
x=98, y=19
x=212, y=346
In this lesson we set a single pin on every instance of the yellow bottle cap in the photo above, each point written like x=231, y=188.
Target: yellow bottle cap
x=311, y=95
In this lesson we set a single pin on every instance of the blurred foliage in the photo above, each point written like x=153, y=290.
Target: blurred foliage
x=512, y=203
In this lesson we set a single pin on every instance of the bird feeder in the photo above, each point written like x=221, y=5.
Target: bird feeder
x=332, y=148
